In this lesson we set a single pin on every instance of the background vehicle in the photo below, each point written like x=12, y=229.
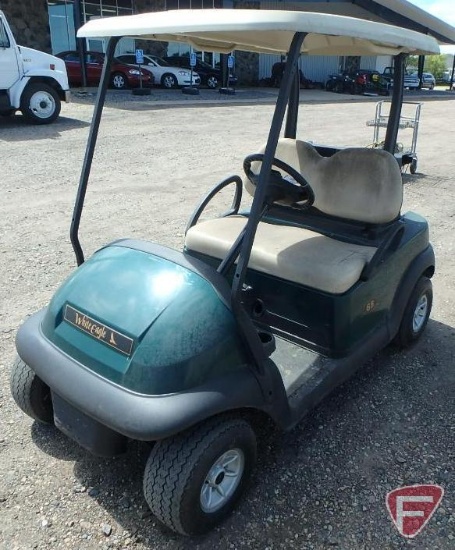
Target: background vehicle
x=122, y=75
x=360, y=81
x=428, y=81
x=264, y=311
x=411, y=80
x=30, y=81
x=165, y=74
x=210, y=76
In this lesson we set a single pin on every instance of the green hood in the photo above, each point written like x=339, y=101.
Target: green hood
x=143, y=322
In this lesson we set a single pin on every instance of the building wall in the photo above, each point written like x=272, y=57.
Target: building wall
x=150, y=46
x=247, y=63
x=29, y=21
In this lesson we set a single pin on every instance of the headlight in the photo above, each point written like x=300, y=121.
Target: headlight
x=184, y=73
x=135, y=71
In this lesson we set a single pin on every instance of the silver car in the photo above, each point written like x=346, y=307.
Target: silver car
x=428, y=81
x=166, y=75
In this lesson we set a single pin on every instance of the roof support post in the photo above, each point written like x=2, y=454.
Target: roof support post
x=247, y=330
x=395, y=107
x=290, y=130
x=83, y=181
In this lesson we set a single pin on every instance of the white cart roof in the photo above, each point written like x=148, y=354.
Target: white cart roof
x=225, y=30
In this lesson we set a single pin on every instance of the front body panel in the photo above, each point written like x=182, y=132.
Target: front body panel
x=144, y=323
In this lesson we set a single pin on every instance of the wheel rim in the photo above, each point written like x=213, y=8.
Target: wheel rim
x=169, y=81
x=222, y=480
x=119, y=81
x=212, y=82
x=42, y=104
x=420, y=313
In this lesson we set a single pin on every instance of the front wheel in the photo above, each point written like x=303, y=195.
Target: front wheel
x=192, y=481
x=40, y=104
x=212, y=82
x=31, y=394
x=416, y=314
x=169, y=81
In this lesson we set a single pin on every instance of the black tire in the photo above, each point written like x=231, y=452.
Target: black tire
x=31, y=394
x=40, y=103
x=416, y=314
x=119, y=81
x=413, y=166
x=212, y=82
x=177, y=470
x=169, y=81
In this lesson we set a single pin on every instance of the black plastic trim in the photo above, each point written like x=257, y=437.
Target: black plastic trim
x=134, y=415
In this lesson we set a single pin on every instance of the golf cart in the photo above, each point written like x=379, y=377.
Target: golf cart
x=266, y=310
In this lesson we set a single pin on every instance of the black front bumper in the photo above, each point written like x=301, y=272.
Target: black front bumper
x=136, y=416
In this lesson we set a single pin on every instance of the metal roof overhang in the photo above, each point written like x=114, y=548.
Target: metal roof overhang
x=266, y=31
x=403, y=13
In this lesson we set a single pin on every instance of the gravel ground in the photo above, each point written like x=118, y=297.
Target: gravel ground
x=321, y=485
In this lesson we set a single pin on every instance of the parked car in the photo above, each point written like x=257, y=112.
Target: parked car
x=122, y=75
x=428, y=81
x=360, y=81
x=165, y=74
x=411, y=80
x=210, y=76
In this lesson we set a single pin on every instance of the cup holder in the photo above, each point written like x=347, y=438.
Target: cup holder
x=268, y=341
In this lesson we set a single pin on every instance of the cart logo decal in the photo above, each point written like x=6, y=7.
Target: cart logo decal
x=370, y=306
x=411, y=507
x=97, y=330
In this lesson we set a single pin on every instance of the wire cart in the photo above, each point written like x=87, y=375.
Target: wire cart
x=410, y=117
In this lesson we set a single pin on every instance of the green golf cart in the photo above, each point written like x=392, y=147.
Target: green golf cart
x=266, y=309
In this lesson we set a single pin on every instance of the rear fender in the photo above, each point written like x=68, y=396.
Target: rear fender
x=423, y=264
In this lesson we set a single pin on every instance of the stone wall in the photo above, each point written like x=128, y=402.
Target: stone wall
x=29, y=22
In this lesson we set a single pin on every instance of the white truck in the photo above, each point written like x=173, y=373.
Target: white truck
x=31, y=81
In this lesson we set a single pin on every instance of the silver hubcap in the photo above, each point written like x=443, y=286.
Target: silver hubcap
x=168, y=82
x=119, y=81
x=42, y=104
x=212, y=82
x=222, y=480
x=420, y=313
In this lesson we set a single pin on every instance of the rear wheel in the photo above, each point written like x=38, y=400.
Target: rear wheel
x=31, y=394
x=119, y=81
x=192, y=481
x=416, y=314
x=40, y=103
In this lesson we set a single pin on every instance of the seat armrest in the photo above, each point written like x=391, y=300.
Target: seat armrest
x=218, y=187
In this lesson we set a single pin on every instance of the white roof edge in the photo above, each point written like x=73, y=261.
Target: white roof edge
x=265, y=31
x=420, y=16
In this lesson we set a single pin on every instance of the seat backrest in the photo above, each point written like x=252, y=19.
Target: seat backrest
x=358, y=184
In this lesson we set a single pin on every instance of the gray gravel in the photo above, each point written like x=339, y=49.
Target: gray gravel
x=322, y=485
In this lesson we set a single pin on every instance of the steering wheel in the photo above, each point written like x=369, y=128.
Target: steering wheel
x=291, y=189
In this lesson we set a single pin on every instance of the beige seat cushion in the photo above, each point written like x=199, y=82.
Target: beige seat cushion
x=292, y=253
x=355, y=183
